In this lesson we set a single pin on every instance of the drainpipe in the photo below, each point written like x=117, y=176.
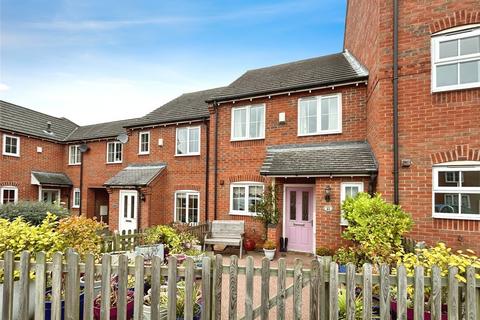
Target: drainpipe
x=215, y=190
x=207, y=159
x=81, y=184
x=395, y=104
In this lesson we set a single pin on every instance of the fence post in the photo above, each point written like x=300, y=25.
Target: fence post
x=265, y=288
x=40, y=282
x=367, y=292
x=217, y=288
x=189, y=283
x=384, y=292
x=89, y=283
x=350, y=291
x=156, y=282
x=72, y=293
x=297, y=289
x=333, y=291
x=314, y=289
x=206, y=287
x=281, y=285
x=452, y=294
x=401, y=292
x=139, y=287
x=419, y=294
x=232, y=310
x=249, y=289
x=172, y=287
x=323, y=290
x=470, y=305
x=57, y=286
x=122, y=287
x=436, y=307
x=24, y=285
x=8, y=286
x=116, y=241
x=105, y=290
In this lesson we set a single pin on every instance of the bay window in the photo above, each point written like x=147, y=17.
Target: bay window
x=456, y=192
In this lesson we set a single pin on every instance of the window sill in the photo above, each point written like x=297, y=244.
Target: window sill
x=249, y=214
x=456, y=216
x=144, y=153
x=456, y=87
x=74, y=164
x=77, y=207
x=319, y=133
x=114, y=162
x=188, y=155
x=246, y=139
x=11, y=155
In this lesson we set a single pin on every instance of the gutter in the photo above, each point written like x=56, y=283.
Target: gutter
x=396, y=199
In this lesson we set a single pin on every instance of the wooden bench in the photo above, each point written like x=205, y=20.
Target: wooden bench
x=225, y=232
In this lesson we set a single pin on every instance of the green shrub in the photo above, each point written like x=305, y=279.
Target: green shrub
x=345, y=256
x=375, y=226
x=322, y=252
x=32, y=212
x=175, y=240
x=81, y=234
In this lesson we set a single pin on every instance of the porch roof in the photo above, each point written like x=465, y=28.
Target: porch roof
x=51, y=179
x=136, y=175
x=324, y=159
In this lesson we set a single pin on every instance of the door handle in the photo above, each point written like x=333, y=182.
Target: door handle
x=299, y=224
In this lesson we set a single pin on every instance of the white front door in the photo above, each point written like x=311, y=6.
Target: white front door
x=128, y=209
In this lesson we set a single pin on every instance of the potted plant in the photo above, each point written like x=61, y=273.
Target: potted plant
x=342, y=305
x=48, y=304
x=113, y=301
x=267, y=209
x=324, y=252
x=196, y=255
x=97, y=283
x=269, y=248
x=343, y=256
x=147, y=304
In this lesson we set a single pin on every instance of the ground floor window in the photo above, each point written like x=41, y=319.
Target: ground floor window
x=244, y=197
x=76, y=198
x=187, y=206
x=50, y=195
x=456, y=191
x=349, y=190
x=8, y=195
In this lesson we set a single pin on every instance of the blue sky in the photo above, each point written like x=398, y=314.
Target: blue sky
x=103, y=60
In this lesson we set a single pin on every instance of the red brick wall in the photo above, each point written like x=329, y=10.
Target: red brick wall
x=429, y=123
x=16, y=171
x=241, y=160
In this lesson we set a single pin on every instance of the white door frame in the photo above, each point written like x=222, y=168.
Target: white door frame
x=121, y=194
x=40, y=193
x=314, y=235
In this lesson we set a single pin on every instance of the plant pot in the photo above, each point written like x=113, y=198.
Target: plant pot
x=410, y=313
x=249, y=245
x=270, y=254
x=97, y=286
x=342, y=268
x=48, y=307
x=113, y=310
x=147, y=314
x=150, y=250
x=319, y=258
x=16, y=299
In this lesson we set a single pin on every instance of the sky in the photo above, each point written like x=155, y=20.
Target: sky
x=94, y=61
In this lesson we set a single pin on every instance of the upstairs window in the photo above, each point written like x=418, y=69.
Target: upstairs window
x=74, y=155
x=114, y=152
x=456, y=192
x=11, y=145
x=8, y=195
x=248, y=122
x=456, y=60
x=320, y=115
x=188, y=141
x=144, y=142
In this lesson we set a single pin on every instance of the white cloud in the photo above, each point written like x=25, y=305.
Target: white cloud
x=3, y=87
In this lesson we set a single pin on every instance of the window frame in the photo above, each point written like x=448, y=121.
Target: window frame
x=70, y=147
x=15, y=189
x=455, y=190
x=140, y=144
x=247, y=124
x=187, y=193
x=4, y=145
x=245, y=185
x=343, y=186
x=472, y=31
x=319, y=118
x=188, y=153
x=121, y=152
x=74, y=198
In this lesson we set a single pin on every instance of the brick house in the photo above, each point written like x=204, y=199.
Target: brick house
x=393, y=113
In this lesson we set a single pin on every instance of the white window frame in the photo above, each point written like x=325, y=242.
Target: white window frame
x=455, y=190
x=15, y=189
x=343, y=196
x=188, y=141
x=121, y=152
x=319, y=118
x=76, y=196
x=247, y=119
x=436, y=61
x=245, y=185
x=140, y=134
x=188, y=193
x=41, y=190
x=4, y=145
x=70, y=150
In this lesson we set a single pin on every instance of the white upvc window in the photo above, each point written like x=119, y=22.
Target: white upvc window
x=11, y=145
x=74, y=155
x=348, y=190
x=456, y=60
x=144, y=142
x=456, y=192
x=114, y=152
x=244, y=196
x=8, y=194
x=188, y=141
x=320, y=115
x=187, y=207
x=248, y=122
x=76, y=198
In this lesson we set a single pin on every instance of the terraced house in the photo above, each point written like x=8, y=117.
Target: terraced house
x=395, y=112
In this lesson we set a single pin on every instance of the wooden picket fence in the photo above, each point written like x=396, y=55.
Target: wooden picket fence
x=322, y=278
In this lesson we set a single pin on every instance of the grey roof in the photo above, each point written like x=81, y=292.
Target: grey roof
x=188, y=106
x=136, y=175
x=100, y=130
x=319, y=159
x=331, y=69
x=22, y=120
x=52, y=178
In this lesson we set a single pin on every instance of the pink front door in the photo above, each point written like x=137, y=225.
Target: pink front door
x=299, y=218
